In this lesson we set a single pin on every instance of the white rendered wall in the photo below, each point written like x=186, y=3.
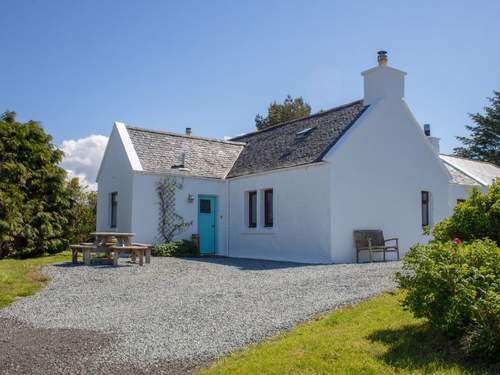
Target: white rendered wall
x=378, y=171
x=383, y=82
x=146, y=207
x=458, y=191
x=301, y=229
x=115, y=176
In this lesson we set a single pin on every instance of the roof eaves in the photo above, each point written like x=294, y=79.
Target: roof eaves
x=278, y=169
x=171, y=173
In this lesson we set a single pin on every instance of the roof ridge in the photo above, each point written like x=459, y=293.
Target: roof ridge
x=477, y=161
x=317, y=114
x=186, y=136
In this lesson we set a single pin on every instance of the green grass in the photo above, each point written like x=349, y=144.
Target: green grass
x=21, y=278
x=373, y=337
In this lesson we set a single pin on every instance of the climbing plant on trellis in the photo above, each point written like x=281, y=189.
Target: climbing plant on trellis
x=170, y=223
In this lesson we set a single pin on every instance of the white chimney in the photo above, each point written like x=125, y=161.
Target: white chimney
x=383, y=81
x=434, y=141
x=189, y=132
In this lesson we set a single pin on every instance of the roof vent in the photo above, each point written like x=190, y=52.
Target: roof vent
x=189, y=132
x=382, y=58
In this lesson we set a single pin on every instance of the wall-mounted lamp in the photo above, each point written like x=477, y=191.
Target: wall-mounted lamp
x=190, y=198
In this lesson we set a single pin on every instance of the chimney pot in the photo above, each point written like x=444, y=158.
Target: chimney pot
x=434, y=141
x=189, y=132
x=382, y=58
x=427, y=130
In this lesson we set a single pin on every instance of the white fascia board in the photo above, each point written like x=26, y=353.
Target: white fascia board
x=349, y=131
x=425, y=140
x=106, y=151
x=135, y=163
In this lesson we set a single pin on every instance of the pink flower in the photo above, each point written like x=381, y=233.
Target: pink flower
x=457, y=241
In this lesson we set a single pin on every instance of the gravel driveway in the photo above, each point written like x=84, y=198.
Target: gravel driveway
x=171, y=316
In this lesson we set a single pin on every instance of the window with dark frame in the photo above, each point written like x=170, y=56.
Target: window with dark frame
x=114, y=207
x=205, y=206
x=268, y=208
x=252, y=209
x=425, y=209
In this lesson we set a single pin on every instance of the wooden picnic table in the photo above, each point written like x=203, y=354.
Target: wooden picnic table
x=112, y=242
x=104, y=238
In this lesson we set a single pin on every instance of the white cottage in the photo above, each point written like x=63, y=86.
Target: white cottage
x=295, y=191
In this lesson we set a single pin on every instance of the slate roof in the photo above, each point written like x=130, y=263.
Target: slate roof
x=460, y=178
x=162, y=151
x=280, y=146
x=480, y=172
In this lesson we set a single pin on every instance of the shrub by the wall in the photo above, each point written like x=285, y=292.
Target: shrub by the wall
x=478, y=217
x=182, y=248
x=457, y=287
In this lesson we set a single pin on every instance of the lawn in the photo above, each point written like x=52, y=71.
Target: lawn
x=374, y=337
x=21, y=278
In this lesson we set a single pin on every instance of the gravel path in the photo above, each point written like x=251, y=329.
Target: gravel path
x=172, y=315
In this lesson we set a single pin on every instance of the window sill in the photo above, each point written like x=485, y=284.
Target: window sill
x=258, y=231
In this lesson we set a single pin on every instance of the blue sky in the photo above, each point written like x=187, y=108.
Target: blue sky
x=78, y=66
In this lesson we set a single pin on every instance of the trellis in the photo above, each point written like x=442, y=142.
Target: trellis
x=170, y=223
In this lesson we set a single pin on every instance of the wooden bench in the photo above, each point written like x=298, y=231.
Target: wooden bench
x=86, y=249
x=135, y=250
x=372, y=240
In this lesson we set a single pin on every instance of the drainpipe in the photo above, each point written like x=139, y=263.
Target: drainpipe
x=228, y=216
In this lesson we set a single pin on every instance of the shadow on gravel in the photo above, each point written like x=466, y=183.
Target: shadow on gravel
x=94, y=264
x=250, y=264
x=419, y=348
x=25, y=349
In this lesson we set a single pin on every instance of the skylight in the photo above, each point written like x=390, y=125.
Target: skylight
x=303, y=132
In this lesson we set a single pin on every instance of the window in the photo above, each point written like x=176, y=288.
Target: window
x=205, y=206
x=252, y=209
x=268, y=208
x=425, y=209
x=114, y=206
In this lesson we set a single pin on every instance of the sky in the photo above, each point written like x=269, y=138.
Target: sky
x=79, y=66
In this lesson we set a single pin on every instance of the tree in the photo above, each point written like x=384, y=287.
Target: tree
x=34, y=199
x=484, y=140
x=82, y=219
x=291, y=109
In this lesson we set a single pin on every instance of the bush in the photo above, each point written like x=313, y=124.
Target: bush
x=182, y=248
x=456, y=286
x=478, y=217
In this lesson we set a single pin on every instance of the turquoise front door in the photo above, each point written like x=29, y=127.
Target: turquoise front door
x=207, y=223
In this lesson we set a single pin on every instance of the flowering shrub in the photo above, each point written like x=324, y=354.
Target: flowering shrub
x=456, y=285
x=476, y=218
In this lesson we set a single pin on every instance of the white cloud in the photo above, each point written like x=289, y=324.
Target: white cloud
x=82, y=158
